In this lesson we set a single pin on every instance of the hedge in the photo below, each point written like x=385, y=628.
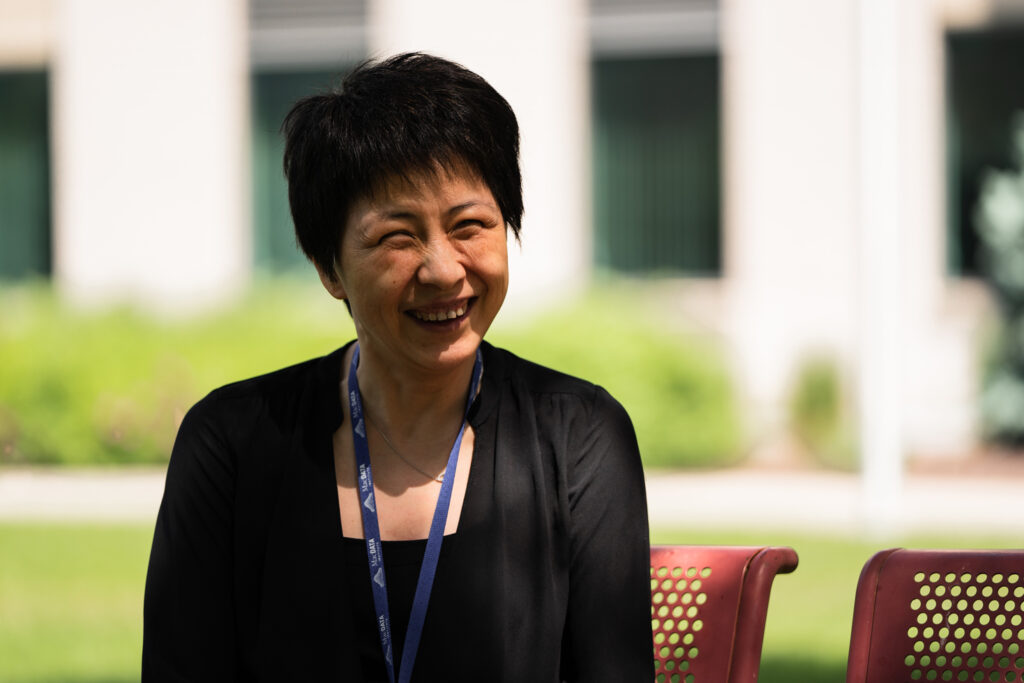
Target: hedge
x=110, y=386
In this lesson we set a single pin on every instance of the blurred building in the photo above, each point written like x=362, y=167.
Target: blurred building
x=799, y=174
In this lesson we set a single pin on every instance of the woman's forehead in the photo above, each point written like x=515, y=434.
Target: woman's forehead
x=440, y=185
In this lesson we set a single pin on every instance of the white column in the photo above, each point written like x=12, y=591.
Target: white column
x=881, y=244
x=790, y=193
x=944, y=319
x=535, y=53
x=834, y=220
x=150, y=127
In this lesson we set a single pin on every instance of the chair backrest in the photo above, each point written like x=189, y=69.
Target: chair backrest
x=939, y=615
x=708, y=609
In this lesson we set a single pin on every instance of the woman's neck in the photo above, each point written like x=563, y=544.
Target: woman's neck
x=412, y=403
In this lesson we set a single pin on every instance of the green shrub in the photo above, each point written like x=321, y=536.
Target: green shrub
x=111, y=386
x=818, y=414
x=676, y=390
x=999, y=221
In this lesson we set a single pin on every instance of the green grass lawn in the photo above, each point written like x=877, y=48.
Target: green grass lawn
x=71, y=600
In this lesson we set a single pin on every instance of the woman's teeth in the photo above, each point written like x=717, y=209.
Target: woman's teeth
x=435, y=316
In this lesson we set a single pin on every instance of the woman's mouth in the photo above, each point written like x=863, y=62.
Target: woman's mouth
x=442, y=314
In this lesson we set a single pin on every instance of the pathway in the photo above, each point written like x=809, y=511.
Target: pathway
x=769, y=499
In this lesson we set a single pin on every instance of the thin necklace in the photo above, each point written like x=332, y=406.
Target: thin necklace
x=439, y=478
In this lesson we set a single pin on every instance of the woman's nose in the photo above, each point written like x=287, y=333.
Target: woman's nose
x=441, y=266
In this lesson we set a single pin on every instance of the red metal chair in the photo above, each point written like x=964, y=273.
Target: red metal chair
x=939, y=615
x=708, y=609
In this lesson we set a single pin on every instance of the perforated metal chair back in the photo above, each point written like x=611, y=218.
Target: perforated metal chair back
x=708, y=610
x=939, y=615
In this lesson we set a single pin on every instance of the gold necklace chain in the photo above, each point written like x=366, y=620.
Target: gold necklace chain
x=439, y=478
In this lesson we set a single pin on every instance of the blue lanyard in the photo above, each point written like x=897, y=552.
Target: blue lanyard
x=371, y=529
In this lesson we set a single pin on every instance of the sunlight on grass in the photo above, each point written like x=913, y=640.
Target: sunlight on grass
x=71, y=602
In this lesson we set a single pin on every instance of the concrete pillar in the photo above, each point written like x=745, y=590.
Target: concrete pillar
x=790, y=193
x=835, y=231
x=150, y=128
x=881, y=246
x=535, y=53
x=943, y=315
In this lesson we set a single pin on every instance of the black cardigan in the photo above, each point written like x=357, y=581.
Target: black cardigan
x=549, y=579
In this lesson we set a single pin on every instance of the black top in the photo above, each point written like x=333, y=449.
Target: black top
x=547, y=578
x=402, y=561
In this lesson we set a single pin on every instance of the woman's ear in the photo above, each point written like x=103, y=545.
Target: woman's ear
x=332, y=283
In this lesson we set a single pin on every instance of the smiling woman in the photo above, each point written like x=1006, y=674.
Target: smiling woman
x=417, y=503
x=424, y=266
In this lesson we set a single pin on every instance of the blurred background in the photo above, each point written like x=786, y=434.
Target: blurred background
x=787, y=234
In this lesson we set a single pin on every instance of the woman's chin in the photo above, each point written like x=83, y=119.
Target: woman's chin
x=455, y=355
x=449, y=355
x=449, y=343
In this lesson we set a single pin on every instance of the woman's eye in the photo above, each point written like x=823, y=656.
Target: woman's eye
x=395, y=237
x=469, y=224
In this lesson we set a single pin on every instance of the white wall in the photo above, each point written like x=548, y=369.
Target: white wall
x=943, y=316
x=150, y=130
x=834, y=146
x=26, y=33
x=789, y=186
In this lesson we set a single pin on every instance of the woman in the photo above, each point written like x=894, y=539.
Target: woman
x=418, y=504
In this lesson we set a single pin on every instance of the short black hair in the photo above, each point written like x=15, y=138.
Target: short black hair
x=409, y=114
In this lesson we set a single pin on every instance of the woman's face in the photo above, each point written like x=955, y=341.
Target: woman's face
x=424, y=266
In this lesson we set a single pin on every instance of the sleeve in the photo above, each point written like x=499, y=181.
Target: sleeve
x=608, y=624
x=188, y=618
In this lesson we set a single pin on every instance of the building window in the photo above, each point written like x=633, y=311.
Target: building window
x=984, y=73
x=25, y=232
x=656, y=184
x=275, y=249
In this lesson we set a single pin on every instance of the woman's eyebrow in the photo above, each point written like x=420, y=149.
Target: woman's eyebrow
x=392, y=211
x=399, y=212
x=469, y=205
x=396, y=214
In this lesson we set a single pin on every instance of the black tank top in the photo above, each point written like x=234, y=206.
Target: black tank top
x=402, y=560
